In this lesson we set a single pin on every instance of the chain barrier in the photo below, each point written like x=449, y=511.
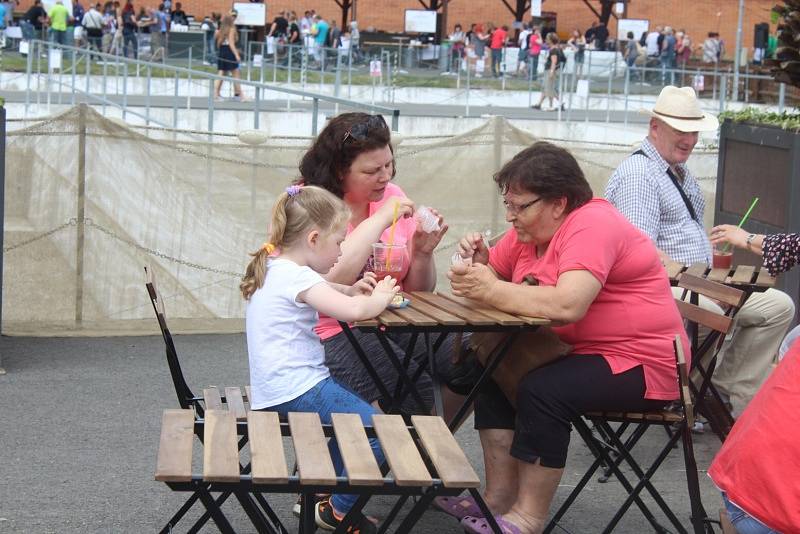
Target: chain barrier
x=89, y=223
x=39, y=237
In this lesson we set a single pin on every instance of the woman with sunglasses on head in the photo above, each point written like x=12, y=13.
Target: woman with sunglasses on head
x=602, y=280
x=354, y=159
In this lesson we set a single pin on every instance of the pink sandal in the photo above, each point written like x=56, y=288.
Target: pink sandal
x=479, y=525
x=458, y=507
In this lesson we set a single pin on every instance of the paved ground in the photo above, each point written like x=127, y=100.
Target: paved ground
x=79, y=430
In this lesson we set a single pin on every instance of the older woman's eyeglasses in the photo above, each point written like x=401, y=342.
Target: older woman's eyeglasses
x=360, y=131
x=516, y=209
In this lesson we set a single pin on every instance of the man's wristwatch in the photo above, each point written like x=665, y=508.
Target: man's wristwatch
x=749, y=241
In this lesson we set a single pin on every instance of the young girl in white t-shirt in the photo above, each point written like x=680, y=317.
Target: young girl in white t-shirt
x=285, y=291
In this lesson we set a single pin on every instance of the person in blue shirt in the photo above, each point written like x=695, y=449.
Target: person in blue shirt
x=2, y=17
x=320, y=32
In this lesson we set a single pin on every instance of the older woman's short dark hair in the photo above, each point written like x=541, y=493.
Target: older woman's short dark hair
x=337, y=146
x=548, y=171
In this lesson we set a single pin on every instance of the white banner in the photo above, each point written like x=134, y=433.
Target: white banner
x=536, y=8
x=250, y=14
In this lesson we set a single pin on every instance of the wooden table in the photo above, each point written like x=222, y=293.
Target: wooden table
x=436, y=313
x=747, y=278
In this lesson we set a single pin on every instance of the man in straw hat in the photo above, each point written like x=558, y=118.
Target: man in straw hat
x=655, y=190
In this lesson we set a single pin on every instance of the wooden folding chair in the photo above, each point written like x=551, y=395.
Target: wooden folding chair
x=233, y=401
x=704, y=353
x=611, y=450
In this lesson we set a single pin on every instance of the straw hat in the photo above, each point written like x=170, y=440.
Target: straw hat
x=680, y=108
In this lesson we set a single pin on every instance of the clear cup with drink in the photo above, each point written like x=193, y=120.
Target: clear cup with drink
x=722, y=257
x=388, y=260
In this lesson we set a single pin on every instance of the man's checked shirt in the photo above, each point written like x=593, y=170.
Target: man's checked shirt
x=642, y=190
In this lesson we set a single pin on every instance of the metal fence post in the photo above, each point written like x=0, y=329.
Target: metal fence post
x=105, y=80
x=175, y=104
x=147, y=96
x=608, y=97
x=314, y=111
x=781, y=97
x=81, y=215
x=124, y=90
x=74, y=69
x=627, y=84
x=28, y=74
x=257, y=111
x=723, y=92
x=2, y=204
x=210, y=125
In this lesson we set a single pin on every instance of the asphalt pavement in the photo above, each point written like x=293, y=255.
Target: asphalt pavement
x=79, y=428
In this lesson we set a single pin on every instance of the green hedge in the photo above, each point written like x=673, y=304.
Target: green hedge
x=789, y=121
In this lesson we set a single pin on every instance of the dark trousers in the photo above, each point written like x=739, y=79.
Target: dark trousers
x=497, y=57
x=551, y=397
x=129, y=37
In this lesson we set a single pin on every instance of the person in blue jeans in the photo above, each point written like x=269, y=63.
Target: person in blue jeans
x=285, y=292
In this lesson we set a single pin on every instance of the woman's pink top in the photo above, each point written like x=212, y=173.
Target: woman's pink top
x=403, y=234
x=633, y=319
x=758, y=466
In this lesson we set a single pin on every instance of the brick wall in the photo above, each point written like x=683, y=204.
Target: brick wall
x=697, y=17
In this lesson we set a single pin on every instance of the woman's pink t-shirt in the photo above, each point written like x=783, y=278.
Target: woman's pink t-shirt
x=403, y=235
x=633, y=319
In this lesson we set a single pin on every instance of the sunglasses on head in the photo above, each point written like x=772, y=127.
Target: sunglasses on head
x=360, y=131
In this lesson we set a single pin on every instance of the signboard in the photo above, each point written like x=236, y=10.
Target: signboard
x=637, y=26
x=375, y=68
x=420, y=21
x=48, y=5
x=536, y=8
x=250, y=14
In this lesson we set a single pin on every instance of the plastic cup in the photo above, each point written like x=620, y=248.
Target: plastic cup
x=386, y=263
x=723, y=257
x=457, y=259
x=428, y=221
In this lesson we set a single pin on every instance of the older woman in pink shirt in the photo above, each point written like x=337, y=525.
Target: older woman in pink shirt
x=600, y=278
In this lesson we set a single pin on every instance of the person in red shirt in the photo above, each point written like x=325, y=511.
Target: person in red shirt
x=497, y=44
x=601, y=279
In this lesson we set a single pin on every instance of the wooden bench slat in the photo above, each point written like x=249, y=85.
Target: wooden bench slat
x=696, y=269
x=718, y=275
x=212, y=398
x=174, y=462
x=233, y=397
x=314, y=463
x=220, y=447
x=357, y=455
x=438, y=315
x=401, y=453
x=729, y=295
x=743, y=275
x=764, y=279
x=472, y=317
x=500, y=316
x=674, y=269
x=447, y=457
x=707, y=318
x=266, y=448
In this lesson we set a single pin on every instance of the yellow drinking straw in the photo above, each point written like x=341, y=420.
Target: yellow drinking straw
x=391, y=236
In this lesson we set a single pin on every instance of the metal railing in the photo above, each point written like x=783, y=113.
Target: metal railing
x=123, y=70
